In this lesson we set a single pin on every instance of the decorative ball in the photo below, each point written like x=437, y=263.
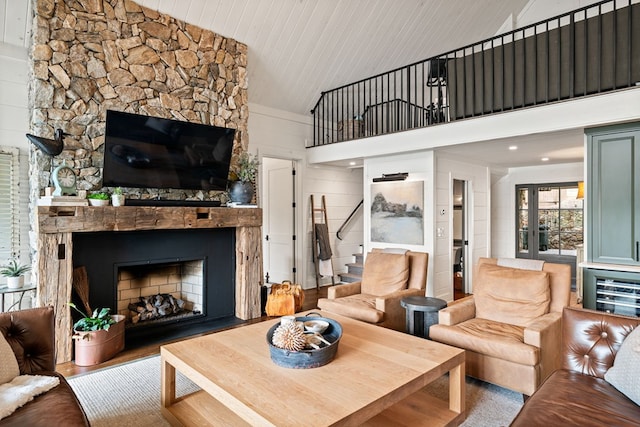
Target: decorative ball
x=289, y=337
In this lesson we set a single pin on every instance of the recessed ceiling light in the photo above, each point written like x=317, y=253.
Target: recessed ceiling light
x=513, y=147
x=352, y=163
x=545, y=159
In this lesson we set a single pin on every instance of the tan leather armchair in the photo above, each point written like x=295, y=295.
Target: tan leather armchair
x=386, y=279
x=511, y=326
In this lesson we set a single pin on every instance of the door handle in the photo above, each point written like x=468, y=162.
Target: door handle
x=637, y=251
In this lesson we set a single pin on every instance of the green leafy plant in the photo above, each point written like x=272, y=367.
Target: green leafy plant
x=117, y=191
x=98, y=321
x=14, y=269
x=247, y=167
x=98, y=196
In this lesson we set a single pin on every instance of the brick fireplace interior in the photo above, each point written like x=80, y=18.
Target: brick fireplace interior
x=151, y=292
x=195, y=266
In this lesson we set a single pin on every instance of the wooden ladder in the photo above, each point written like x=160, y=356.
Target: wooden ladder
x=319, y=216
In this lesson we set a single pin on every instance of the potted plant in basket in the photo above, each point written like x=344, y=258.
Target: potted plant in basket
x=98, y=337
x=98, y=199
x=243, y=178
x=14, y=272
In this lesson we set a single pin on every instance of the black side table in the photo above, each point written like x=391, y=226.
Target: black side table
x=422, y=312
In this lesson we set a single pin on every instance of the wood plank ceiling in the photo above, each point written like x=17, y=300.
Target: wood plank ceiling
x=298, y=48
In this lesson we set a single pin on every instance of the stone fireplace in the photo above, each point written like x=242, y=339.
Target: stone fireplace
x=226, y=241
x=92, y=56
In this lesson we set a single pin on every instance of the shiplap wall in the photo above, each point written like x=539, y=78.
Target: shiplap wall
x=279, y=134
x=342, y=189
x=13, y=126
x=420, y=166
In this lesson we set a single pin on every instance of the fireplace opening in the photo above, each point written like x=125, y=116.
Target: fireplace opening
x=158, y=293
x=193, y=265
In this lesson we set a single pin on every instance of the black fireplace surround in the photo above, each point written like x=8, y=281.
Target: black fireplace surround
x=102, y=253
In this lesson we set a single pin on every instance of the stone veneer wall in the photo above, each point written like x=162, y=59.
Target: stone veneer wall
x=90, y=56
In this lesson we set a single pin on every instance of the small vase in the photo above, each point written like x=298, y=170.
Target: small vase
x=117, y=199
x=15, y=282
x=241, y=192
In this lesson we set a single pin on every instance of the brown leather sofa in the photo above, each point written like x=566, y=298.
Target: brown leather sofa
x=31, y=335
x=388, y=276
x=577, y=394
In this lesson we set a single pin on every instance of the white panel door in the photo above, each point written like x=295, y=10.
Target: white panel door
x=278, y=220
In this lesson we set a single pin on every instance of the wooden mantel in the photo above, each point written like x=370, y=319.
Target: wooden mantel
x=54, y=263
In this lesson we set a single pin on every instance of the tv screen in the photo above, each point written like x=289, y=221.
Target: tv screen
x=152, y=152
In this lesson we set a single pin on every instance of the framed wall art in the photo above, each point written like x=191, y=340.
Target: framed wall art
x=397, y=212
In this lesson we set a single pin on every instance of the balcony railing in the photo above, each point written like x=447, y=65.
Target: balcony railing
x=591, y=50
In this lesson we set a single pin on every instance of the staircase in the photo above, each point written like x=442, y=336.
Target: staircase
x=354, y=270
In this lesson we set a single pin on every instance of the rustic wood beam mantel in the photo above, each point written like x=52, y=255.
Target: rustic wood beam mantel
x=54, y=260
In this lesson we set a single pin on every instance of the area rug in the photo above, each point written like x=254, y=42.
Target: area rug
x=129, y=395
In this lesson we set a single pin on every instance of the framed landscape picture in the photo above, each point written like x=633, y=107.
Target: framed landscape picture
x=397, y=212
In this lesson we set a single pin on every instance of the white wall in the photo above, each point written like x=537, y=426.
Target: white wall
x=279, y=134
x=503, y=200
x=420, y=167
x=14, y=124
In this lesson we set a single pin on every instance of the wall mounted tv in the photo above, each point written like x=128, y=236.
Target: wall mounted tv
x=152, y=152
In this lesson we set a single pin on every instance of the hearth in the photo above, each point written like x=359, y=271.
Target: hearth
x=195, y=266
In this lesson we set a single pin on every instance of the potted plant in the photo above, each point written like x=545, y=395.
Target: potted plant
x=98, y=337
x=98, y=199
x=241, y=188
x=117, y=198
x=14, y=272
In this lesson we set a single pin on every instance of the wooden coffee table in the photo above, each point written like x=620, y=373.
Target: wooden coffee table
x=377, y=378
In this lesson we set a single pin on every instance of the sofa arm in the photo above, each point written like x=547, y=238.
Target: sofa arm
x=459, y=311
x=545, y=333
x=343, y=290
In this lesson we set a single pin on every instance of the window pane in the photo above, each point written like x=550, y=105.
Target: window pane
x=8, y=218
x=523, y=220
x=571, y=221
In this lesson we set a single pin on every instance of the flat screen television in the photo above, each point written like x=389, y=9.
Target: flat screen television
x=152, y=152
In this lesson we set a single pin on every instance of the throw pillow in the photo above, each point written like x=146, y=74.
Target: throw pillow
x=511, y=295
x=9, y=368
x=384, y=273
x=624, y=374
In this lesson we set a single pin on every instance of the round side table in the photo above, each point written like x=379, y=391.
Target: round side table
x=422, y=312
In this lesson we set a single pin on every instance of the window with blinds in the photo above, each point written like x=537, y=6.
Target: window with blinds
x=9, y=218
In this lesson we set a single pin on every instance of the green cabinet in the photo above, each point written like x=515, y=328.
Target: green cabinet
x=613, y=194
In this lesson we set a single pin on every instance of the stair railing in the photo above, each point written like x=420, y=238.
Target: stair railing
x=346, y=221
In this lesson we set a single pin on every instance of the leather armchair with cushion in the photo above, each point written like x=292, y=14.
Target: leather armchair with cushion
x=386, y=279
x=511, y=326
x=30, y=333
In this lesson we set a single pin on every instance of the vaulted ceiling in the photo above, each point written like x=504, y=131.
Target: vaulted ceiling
x=299, y=48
